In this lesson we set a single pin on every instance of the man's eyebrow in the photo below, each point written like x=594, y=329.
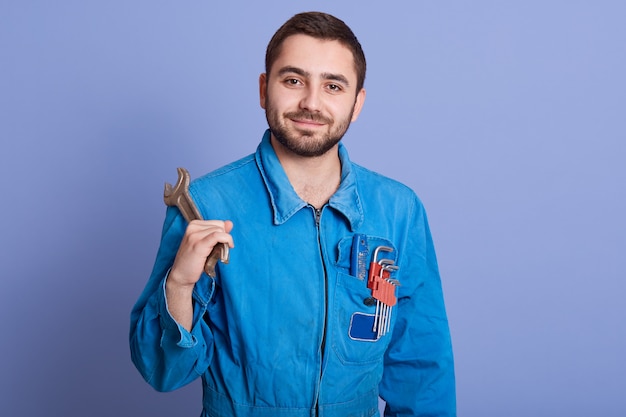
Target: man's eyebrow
x=293, y=70
x=325, y=76
x=336, y=77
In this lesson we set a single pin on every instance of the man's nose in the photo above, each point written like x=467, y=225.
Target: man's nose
x=311, y=99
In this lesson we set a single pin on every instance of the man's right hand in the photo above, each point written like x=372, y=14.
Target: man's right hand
x=197, y=243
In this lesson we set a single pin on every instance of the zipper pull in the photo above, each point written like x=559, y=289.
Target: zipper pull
x=318, y=216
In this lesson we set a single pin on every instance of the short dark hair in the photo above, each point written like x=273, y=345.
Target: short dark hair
x=321, y=26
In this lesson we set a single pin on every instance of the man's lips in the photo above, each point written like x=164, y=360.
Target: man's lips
x=307, y=122
x=308, y=119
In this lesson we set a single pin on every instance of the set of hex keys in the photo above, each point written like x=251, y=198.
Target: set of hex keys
x=383, y=290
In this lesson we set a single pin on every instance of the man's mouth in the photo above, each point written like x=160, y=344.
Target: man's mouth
x=308, y=119
x=307, y=122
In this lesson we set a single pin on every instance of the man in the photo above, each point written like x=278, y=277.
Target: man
x=290, y=326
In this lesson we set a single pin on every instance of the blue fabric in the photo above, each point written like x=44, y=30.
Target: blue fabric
x=272, y=332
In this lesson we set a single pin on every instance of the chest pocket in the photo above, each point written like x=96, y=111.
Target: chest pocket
x=354, y=340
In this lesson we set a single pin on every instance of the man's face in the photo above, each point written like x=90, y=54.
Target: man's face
x=310, y=97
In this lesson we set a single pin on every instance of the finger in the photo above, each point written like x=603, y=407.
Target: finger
x=203, y=228
x=208, y=224
x=217, y=237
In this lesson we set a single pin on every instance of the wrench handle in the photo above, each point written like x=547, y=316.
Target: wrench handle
x=219, y=253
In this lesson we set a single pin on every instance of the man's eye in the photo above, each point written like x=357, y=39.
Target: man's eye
x=292, y=81
x=334, y=87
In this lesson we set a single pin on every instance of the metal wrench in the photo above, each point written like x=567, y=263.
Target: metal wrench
x=178, y=196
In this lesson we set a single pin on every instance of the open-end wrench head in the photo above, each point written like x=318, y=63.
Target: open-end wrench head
x=182, y=185
x=178, y=196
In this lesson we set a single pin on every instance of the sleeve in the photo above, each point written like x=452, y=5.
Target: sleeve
x=418, y=377
x=165, y=353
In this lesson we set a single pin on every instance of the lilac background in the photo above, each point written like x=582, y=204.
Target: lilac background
x=507, y=118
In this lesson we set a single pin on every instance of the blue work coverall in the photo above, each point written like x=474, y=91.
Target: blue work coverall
x=285, y=328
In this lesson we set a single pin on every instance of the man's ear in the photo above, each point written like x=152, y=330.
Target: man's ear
x=262, y=89
x=358, y=104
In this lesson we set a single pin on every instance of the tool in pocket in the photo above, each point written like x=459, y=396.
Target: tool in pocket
x=383, y=290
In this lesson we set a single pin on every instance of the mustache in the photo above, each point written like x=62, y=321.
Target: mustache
x=307, y=115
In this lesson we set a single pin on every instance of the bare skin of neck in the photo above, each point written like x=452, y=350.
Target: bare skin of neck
x=314, y=179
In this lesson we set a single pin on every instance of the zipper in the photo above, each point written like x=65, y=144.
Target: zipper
x=318, y=218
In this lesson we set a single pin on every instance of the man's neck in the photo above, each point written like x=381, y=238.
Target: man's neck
x=314, y=179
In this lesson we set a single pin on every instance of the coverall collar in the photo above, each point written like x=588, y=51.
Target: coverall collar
x=285, y=201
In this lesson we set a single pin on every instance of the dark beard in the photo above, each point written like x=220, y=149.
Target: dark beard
x=304, y=144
